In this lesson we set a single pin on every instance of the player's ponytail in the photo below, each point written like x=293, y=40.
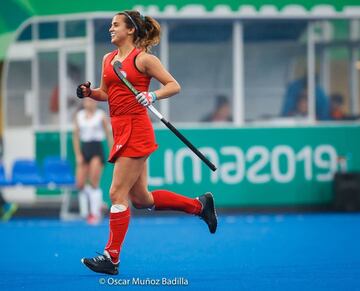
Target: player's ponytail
x=152, y=31
x=147, y=29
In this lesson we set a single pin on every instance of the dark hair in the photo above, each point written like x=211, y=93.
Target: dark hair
x=147, y=29
x=221, y=100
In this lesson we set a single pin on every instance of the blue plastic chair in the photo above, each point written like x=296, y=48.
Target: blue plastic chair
x=26, y=172
x=58, y=171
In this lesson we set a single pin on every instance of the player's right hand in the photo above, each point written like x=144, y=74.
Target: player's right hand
x=83, y=90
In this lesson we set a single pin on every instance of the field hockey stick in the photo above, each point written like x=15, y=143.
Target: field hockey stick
x=117, y=66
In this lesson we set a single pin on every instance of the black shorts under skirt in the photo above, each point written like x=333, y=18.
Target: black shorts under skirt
x=92, y=149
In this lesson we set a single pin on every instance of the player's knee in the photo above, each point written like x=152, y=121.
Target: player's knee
x=80, y=185
x=117, y=195
x=94, y=184
x=113, y=195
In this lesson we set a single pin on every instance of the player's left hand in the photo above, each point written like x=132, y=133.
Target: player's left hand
x=83, y=90
x=146, y=98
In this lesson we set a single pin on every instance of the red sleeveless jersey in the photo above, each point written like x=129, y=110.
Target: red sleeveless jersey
x=121, y=100
x=132, y=129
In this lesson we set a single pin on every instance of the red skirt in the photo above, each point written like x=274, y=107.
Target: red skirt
x=133, y=136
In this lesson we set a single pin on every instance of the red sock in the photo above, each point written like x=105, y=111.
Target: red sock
x=167, y=200
x=119, y=223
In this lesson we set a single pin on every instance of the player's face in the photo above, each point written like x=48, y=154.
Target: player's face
x=118, y=30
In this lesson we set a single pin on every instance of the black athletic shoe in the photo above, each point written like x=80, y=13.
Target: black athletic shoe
x=208, y=212
x=101, y=264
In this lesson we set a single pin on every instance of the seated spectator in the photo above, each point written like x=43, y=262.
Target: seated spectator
x=72, y=103
x=338, y=111
x=337, y=107
x=221, y=112
x=301, y=108
x=296, y=90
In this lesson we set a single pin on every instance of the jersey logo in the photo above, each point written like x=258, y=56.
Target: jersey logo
x=118, y=146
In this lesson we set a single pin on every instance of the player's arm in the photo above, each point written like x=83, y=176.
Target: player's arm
x=76, y=143
x=151, y=66
x=108, y=132
x=98, y=94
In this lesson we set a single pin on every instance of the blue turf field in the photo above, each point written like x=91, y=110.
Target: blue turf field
x=249, y=252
